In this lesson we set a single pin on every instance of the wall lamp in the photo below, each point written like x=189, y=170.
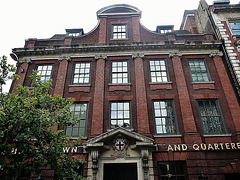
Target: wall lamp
x=21, y=69
x=15, y=58
x=202, y=176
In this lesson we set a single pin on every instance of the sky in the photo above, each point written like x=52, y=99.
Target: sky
x=23, y=19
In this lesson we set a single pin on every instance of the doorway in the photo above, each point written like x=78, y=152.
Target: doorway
x=120, y=171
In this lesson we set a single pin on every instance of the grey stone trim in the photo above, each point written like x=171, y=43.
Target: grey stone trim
x=94, y=155
x=232, y=58
x=235, y=61
x=232, y=54
x=216, y=53
x=138, y=55
x=25, y=60
x=229, y=48
x=100, y=56
x=61, y=58
x=176, y=53
x=220, y=24
x=225, y=35
x=117, y=47
x=222, y=30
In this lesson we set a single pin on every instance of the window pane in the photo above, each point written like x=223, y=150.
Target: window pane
x=158, y=121
x=45, y=71
x=120, y=72
x=79, y=112
x=236, y=31
x=158, y=71
x=39, y=68
x=75, y=132
x=120, y=114
x=211, y=118
x=126, y=106
x=119, y=31
x=81, y=73
x=176, y=169
x=126, y=114
x=164, y=117
x=198, y=70
x=114, y=114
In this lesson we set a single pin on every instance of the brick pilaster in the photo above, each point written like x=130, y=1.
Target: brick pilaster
x=228, y=91
x=136, y=30
x=22, y=71
x=61, y=76
x=141, y=99
x=190, y=132
x=102, y=30
x=98, y=101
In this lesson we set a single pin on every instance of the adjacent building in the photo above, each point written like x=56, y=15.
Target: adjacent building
x=221, y=19
x=152, y=105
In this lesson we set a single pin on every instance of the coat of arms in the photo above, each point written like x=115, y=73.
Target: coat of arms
x=120, y=144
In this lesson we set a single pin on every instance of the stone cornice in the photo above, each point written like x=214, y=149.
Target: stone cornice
x=116, y=47
x=227, y=8
x=216, y=53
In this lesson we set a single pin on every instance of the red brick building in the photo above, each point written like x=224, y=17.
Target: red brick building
x=152, y=105
x=221, y=19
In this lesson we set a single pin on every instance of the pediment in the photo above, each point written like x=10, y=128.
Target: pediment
x=107, y=137
x=118, y=9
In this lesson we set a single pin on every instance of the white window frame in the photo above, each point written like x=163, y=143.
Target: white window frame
x=119, y=31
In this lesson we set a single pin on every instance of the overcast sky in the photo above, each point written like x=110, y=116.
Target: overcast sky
x=23, y=19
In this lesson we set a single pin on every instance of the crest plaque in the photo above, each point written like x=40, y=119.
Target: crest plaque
x=120, y=144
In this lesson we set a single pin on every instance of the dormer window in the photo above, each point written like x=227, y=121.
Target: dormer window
x=74, y=32
x=164, y=29
x=119, y=31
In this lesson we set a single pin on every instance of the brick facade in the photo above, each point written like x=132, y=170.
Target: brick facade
x=147, y=148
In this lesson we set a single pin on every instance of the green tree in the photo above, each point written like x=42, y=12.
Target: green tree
x=5, y=73
x=28, y=142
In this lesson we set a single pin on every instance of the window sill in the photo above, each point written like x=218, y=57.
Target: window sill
x=167, y=135
x=163, y=85
x=125, y=39
x=77, y=138
x=217, y=135
x=119, y=87
x=79, y=87
x=203, y=85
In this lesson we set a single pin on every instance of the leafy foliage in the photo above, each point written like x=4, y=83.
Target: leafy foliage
x=28, y=141
x=5, y=70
